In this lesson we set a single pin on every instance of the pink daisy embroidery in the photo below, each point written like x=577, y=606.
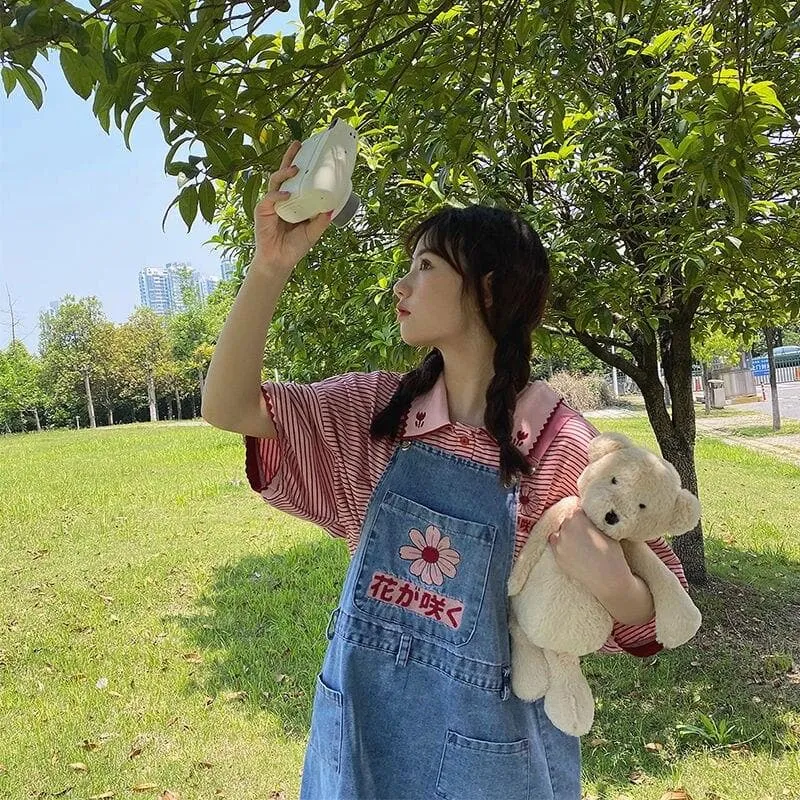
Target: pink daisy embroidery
x=431, y=557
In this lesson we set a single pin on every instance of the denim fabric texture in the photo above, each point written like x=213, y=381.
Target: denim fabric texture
x=413, y=699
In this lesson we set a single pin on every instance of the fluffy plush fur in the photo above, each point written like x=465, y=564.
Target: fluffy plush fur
x=631, y=495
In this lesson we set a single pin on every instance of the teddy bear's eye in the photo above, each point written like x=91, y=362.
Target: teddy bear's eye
x=613, y=480
x=642, y=505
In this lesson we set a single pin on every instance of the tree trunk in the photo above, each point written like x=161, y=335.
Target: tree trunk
x=151, y=397
x=771, y=336
x=179, y=414
x=36, y=418
x=89, y=402
x=676, y=434
x=22, y=422
x=110, y=409
x=201, y=381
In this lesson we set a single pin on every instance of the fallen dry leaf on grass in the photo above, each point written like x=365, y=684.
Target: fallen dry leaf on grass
x=637, y=776
x=78, y=766
x=193, y=658
x=676, y=794
x=144, y=787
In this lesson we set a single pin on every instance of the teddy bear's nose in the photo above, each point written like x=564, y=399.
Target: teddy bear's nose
x=612, y=518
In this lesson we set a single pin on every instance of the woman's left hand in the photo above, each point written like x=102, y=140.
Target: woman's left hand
x=589, y=556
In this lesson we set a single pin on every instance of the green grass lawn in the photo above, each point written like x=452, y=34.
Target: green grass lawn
x=161, y=627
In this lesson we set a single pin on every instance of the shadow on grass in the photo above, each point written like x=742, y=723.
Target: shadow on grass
x=261, y=628
x=738, y=668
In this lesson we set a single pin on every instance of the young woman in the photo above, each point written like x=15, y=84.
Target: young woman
x=434, y=478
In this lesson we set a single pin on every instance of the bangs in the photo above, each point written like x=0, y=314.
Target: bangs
x=443, y=235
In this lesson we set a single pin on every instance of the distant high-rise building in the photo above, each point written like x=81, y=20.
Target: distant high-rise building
x=227, y=268
x=154, y=290
x=205, y=285
x=163, y=289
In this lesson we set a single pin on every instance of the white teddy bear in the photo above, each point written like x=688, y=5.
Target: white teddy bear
x=631, y=495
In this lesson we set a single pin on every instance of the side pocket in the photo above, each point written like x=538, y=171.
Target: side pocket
x=326, y=724
x=489, y=770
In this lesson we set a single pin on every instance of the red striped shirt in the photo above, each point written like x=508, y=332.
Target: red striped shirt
x=324, y=466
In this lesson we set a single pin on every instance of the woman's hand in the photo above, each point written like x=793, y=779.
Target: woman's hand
x=279, y=244
x=589, y=556
x=598, y=562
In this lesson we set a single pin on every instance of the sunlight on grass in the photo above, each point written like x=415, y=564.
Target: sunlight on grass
x=163, y=626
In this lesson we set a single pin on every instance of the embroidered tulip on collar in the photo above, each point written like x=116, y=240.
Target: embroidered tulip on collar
x=431, y=557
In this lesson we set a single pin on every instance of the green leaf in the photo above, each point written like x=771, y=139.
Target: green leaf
x=295, y=128
x=250, y=194
x=29, y=85
x=9, y=79
x=218, y=158
x=157, y=40
x=131, y=118
x=76, y=72
x=187, y=204
x=767, y=94
x=669, y=148
x=661, y=43
x=207, y=196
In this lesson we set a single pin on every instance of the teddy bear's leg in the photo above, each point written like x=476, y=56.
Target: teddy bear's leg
x=677, y=617
x=568, y=702
x=529, y=678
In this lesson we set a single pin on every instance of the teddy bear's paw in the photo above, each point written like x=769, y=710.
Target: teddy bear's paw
x=528, y=686
x=570, y=711
x=676, y=629
x=516, y=582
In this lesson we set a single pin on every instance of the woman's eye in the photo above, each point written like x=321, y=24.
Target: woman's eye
x=613, y=480
x=424, y=262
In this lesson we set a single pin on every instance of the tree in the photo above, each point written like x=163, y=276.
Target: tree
x=68, y=344
x=19, y=386
x=146, y=338
x=646, y=141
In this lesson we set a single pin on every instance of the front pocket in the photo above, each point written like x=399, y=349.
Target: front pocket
x=326, y=724
x=424, y=570
x=489, y=770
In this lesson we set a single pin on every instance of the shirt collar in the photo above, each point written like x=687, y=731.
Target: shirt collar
x=535, y=404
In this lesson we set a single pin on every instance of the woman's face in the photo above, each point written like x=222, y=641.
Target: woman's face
x=431, y=292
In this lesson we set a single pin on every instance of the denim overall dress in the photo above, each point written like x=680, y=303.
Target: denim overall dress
x=413, y=700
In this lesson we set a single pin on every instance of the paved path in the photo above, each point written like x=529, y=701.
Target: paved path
x=785, y=446
x=723, y=427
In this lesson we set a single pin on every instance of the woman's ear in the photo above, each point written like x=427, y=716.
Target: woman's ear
x=487, y=288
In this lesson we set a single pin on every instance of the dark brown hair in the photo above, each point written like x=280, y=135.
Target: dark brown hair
x=477, y=240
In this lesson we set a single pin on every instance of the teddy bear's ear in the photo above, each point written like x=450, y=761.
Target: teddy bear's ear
x=607, y=443
x=685, y=513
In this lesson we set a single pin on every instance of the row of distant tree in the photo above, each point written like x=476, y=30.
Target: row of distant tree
x=90, y=371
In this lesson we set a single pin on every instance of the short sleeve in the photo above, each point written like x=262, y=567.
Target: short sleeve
x=564, y=461
x=323, y=464
x=640, y=640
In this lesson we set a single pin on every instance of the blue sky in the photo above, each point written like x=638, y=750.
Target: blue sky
x=80, y=213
